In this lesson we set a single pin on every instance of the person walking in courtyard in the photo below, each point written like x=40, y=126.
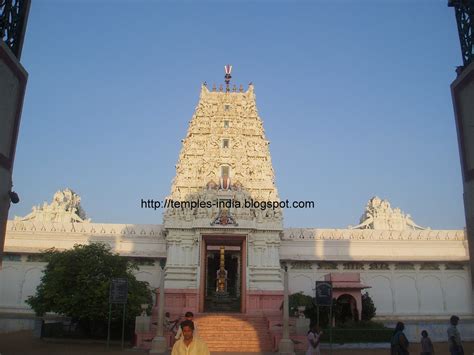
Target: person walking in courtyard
x=314, y=338
x=188, y=316
x=454, y=337
x=426, y=344
x=399, y=342
x=189, y=344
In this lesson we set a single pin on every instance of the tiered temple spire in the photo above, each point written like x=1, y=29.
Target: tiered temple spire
x=225, y=137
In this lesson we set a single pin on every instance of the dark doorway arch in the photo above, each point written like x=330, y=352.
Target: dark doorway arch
x=347, y=309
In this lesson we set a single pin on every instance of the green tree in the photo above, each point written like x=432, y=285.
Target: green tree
x=311, y=312
x=368, y=307
x=299, y=299
x=76, y=284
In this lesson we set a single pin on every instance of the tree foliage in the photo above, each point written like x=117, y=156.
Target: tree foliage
x=368, y=307
x=299, y=299
x=76, y=284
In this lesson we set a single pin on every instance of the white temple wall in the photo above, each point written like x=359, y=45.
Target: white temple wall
x=396, y=292
x=421, y=273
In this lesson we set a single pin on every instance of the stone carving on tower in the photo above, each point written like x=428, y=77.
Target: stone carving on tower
x=379, y=215
x=224, y=163
x=225, y=155
x=225, y=145
x=65, y=208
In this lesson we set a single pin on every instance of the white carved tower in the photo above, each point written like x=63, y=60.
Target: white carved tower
x=225, y=138
x=224, y=157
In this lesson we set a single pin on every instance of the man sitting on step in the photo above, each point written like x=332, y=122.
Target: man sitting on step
x=188, y=316
x=189, y=344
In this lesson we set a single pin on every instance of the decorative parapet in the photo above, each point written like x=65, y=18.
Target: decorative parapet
x=302, y=234
x=90, y=229
x=145, y=240
x=346, y=245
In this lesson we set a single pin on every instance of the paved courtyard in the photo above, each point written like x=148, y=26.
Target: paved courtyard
x=24, y=343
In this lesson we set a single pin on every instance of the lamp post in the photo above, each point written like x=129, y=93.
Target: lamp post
x=286, y=347
x=158, y=345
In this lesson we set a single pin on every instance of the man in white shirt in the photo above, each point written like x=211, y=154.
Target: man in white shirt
x=188, y=316
x=189, y=344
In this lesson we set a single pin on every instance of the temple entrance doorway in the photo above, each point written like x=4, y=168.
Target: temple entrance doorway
x=222, y=274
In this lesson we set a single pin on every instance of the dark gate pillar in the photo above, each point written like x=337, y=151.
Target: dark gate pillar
x=13, y=20
x=462, y=91
x=12, y=90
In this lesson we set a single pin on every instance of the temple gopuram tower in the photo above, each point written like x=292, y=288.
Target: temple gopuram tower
x=222, y=244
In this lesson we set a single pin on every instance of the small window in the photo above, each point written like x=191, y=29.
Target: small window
x=226, y=107
x=226, y=124
x=225, y=143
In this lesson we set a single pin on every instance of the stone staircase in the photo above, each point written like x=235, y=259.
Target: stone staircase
x=234, y=332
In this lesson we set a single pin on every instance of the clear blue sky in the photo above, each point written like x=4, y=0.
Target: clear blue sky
x=354, y=96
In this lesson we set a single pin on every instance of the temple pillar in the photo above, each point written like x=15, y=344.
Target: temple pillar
x=286, y=347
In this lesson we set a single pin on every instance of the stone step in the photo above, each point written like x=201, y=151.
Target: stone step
x=234, y=333
x=251, y=321
x=237, y=347
x=233, y=328
x=240, y=350
x=240, y=341
x=238, y=344
x=214, y=322
x=229, y=326
x=218, y=324
x=254, y=324
x=259, y=337
x=237, y=335
x=227, y=339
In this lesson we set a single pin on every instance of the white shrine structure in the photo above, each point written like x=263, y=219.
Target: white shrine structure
x=412, y=273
